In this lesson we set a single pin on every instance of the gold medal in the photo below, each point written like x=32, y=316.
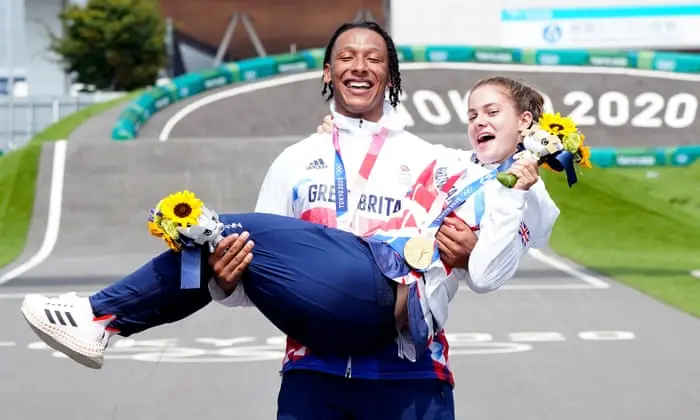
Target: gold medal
x=418, y=252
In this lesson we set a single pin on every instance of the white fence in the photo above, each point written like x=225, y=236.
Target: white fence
x=22, y=118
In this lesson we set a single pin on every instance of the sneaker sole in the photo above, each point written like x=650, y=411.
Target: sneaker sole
x=64, y=343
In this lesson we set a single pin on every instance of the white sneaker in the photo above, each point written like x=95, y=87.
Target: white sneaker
x=68, y=325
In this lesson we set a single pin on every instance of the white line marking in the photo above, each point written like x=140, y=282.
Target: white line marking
x=7, y=344
x=11, y=296
x=577, y=286
x=228, y=93
x=54, y=216
x=530, y=68
x=525, y=68
x=593, y=281
x=464, y=287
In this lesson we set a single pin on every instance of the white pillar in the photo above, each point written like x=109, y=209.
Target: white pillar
x=44, y=77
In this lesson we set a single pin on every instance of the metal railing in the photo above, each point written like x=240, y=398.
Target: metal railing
x=22, y=118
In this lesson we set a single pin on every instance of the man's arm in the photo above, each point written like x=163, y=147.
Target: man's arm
x=275, y=194
x=274, y=197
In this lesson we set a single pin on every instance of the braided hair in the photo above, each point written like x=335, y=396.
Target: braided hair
x=394, y=74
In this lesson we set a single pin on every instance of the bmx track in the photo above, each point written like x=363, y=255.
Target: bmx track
x=556, y=343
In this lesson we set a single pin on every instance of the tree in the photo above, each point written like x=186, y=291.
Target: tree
x=116, y=45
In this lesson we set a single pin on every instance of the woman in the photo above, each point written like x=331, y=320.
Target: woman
x=301, y=273
x=496, y=139
x=500, y=109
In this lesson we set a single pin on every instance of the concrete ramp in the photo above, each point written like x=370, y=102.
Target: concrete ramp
x=110, y=187
x=569, y=345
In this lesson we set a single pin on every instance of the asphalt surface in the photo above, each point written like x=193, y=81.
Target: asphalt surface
x=551, y=345
x=434, y=107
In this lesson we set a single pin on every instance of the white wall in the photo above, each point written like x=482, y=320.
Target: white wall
x=44, y=76
x=25, y=37
x=445, y=22
x=12, y=51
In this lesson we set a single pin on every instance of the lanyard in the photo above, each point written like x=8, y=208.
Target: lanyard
x=342, y=201
x=399, y=243
x=463, y=195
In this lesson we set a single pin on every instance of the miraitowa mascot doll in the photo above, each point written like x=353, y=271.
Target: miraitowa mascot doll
x=557, y=144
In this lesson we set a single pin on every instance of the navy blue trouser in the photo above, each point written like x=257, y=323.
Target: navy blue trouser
x=310, y=395
x=320, y=286
x=151, y=296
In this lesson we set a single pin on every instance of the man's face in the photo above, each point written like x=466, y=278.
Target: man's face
x=359, y=72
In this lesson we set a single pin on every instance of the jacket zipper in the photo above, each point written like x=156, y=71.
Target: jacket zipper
x=348, y=368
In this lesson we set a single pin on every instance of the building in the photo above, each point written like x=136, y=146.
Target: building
x=199, y=28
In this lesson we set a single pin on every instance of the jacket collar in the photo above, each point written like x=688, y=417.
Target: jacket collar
x=520, y=147
x=390, y=120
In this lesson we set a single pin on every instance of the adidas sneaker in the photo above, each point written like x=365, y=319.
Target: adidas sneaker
x=66, y=324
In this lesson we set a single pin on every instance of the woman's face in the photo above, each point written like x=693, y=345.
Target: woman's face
x=494, y=123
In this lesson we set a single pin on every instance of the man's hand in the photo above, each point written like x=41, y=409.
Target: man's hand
x=326, y=125
x=230, y=259
x=455, y=241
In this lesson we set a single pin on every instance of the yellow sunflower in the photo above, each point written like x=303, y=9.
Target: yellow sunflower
x=182, y=208
x=171, y=243
x=557, y=125
x=546, y=166
x=585, y=157
x=155, y=229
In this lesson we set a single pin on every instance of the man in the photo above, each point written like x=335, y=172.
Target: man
x=363, y=64
x=359, y=66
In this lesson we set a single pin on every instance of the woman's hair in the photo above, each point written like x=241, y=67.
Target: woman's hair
x=394, y=74
x=524, y=97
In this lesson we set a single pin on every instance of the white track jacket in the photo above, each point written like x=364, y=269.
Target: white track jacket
x=300, y=183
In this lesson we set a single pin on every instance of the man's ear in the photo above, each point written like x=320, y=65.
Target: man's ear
x=327, y=73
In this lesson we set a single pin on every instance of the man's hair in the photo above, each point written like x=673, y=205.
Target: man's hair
x=524, y=97
x=394, y=74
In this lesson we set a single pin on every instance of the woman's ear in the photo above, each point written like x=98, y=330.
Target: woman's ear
x=525, y=121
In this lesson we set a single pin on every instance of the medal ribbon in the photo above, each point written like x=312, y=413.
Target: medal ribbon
x=463, y=195
x=342, y=201
x=398, y=243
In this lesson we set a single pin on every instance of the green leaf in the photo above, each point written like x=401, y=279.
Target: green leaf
x=113, y=44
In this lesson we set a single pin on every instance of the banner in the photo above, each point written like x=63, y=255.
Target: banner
x=641, y=157
x=293, y=63
x=257, y=68
x=685, y=155
x=188, y=85
x=664, y=61
x=215, y=78
x=580, y=26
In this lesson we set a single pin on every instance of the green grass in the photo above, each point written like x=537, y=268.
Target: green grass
x=640, y=226
x=18, y=173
